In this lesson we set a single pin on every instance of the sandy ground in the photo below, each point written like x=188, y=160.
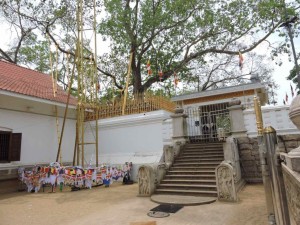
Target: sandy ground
x=118, y=205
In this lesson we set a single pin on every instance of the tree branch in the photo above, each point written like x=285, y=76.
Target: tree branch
x=6, y=56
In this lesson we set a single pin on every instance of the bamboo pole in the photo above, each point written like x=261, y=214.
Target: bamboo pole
x=96, y=94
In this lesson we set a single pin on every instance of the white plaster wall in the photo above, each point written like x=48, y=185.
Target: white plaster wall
x=167, y=131
x=135, y=138
x=275, y=116
x=39, y=136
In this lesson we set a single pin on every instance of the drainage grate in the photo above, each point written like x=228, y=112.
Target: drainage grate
x=167, y=208
x=158, y=214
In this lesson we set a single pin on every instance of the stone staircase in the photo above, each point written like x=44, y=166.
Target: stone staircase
x=193, y=171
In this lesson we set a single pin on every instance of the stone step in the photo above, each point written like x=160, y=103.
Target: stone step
x=195, y=160
x=187, y=181
x=193, y=171
x=204, y=144
x=188, y=186
x=190, y=168
x=190, y=177
x=189, y=172
x=198, y=164
x=204, y=150
x=206, y=187
x=186, y=192
x=208, y=148
x=200, y=156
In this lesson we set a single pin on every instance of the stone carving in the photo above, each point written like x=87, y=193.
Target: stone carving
x=225, y=182
x=293, y=194
x=169, y=155
x=144, y=181
x=147, y=178
x=160, y=173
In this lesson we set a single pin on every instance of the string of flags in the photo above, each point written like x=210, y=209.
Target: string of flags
x=241, y=60
x=160, y=73
x=292, y=91
x=176, y=80
x=149, y=71
x=286, y=100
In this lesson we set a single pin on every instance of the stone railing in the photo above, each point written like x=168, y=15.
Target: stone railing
x=292, y=186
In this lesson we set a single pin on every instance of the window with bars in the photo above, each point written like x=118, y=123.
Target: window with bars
x=10, y=146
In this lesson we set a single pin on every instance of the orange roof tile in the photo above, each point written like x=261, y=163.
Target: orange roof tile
x=17, y=79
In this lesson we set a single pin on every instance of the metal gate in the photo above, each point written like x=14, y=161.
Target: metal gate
x=209, y=123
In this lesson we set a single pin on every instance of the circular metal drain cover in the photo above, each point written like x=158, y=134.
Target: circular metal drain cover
x=158, y=214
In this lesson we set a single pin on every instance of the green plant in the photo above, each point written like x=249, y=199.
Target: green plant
x=223, y=121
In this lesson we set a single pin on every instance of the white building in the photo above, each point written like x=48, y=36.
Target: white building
x=30, y=127
x=31, y=118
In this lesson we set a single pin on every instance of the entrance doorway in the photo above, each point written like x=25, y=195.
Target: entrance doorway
x=205, y=122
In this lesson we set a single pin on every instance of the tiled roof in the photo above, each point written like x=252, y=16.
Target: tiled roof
x=20, y=80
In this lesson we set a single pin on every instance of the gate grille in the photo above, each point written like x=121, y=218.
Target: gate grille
x=209, y=123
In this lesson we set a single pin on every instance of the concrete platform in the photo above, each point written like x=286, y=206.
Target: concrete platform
x=182, y=200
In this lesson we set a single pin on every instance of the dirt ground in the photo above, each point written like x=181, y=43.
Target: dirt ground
x=118, y=205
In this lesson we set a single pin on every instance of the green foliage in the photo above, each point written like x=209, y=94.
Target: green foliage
x=223, y=121
x=35, y=52
x=293, y=76
x=180, y=36
x=175, y=33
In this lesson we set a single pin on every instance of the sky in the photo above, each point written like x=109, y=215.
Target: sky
x=281, y=72
x=279, y=75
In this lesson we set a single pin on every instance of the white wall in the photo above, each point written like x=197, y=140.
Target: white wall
x=39, y=136
x=135, y=138
x=275, y=116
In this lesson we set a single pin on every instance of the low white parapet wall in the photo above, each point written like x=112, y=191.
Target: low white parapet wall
x=275, y=116
x=135, y=138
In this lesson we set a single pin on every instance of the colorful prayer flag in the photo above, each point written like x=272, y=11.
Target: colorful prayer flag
x=175, y=79
x=149, y=67
x=292, y=91
x=241, y=60
x=160, y=73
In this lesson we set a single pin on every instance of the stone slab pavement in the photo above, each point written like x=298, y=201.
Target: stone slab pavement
x=119, y=205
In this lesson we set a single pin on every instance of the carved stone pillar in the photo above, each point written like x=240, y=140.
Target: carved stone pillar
x=231, y=154
x=225, y=183
x=169, y=155
x=237, y=119
x=179, y=126
x=149, y=176
x=146, y=180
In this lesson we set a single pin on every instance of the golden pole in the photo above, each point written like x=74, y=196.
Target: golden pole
x=258, y=114
x=96, y=84
x=127, y=81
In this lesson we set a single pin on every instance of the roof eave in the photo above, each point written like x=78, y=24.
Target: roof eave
x=35, y=99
